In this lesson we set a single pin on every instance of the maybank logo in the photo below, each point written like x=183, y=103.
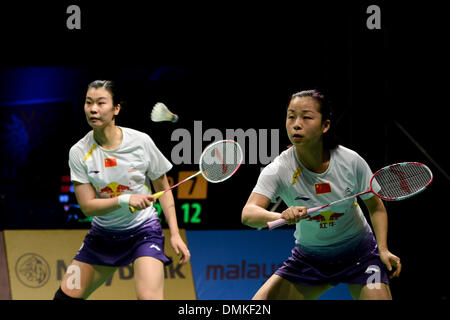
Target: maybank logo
x=32, y=270
x=171, y=271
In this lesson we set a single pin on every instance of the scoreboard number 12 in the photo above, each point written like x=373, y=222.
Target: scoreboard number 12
x=191, y=212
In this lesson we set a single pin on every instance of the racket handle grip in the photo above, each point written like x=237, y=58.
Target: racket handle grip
x=281, y=222
x=155, y=195
x=276, y=223
x=158, y=195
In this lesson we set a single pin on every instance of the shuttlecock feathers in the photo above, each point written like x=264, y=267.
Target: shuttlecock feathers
x=161, y=113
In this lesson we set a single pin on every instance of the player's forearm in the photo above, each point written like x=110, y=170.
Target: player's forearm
x=380, y=226
x=167, y=203
x=257, y=217
x=168, y=208
x=99, y=207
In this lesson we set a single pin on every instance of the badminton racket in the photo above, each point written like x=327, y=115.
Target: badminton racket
x=397, y=182
x=218, y=162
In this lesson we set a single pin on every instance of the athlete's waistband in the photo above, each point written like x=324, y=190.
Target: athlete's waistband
x=151, y=221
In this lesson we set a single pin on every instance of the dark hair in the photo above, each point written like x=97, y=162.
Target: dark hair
x=330, y=140
x=111, y=87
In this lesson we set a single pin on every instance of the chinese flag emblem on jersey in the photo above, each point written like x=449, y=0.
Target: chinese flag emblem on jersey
x=323, y=188
x=110, y=162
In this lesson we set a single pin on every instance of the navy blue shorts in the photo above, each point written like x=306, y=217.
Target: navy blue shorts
x=120, y=248
x=360, y=263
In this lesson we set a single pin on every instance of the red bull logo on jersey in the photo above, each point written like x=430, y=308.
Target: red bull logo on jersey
x=113, y=190
x=326, y=219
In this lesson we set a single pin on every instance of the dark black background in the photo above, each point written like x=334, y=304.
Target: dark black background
x=235, y=66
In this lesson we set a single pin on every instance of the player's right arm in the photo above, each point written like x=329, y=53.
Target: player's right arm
x=256, y=215
x=92, y=206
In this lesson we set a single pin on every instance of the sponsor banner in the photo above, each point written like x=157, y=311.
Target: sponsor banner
x=38, y=259
x=233, y=264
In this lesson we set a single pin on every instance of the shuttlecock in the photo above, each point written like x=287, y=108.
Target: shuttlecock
x=161, y=113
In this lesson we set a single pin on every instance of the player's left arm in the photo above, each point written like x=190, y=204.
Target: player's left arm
x=379, y=219
x=168, y=207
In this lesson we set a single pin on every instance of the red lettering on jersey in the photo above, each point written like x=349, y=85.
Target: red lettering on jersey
x=111, y=162
x=323, y=188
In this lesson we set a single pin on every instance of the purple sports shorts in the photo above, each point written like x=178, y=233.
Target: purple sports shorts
x=355, y=262
x=120, y=248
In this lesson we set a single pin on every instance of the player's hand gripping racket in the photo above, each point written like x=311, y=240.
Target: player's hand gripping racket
x=396, y=182
x=218, y=162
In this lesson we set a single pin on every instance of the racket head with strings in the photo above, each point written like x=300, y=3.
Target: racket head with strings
x=396, y=182
x=220, y=160
x=401, y=180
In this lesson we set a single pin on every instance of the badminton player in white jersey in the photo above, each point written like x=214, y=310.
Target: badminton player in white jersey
x=338, y=245
x=111, y=168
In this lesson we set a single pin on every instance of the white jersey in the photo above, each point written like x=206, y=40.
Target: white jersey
x=126, y=170
x=347, y=174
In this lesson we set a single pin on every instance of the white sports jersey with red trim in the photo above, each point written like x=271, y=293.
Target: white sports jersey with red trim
x=347, y=174
x=126, y=170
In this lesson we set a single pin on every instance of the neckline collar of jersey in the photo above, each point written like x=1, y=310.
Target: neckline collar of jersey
x=113, y=150
x=311, y=172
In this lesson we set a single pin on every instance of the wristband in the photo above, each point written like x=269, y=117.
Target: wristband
x=124, y=200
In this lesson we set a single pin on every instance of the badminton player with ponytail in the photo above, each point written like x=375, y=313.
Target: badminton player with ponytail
x=111, y=169
x=337, y=245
